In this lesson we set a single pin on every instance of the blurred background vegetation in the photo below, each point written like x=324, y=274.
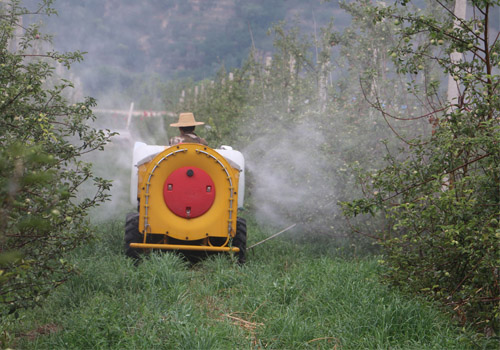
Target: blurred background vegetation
x=128, y=42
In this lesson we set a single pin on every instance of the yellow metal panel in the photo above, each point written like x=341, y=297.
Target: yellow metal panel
x=141, y=173
x=184, y=247
x=218, y=221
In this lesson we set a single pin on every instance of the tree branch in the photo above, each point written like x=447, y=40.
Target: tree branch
x=430, y=180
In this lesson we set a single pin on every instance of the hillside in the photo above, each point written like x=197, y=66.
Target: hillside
x=175, y=38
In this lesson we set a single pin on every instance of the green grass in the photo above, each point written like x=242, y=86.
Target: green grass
x=287, y=296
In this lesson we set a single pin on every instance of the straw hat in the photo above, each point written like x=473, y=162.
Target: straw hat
x=186, y=119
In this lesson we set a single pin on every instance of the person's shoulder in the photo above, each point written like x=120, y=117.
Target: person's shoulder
x=187, y=138
x=199, y=139
x=203, y=141
x=175, y=140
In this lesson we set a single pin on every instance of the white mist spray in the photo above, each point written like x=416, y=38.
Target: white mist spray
x=293, y=180
x=115, y=162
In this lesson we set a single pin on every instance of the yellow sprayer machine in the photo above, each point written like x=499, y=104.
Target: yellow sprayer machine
x=188, y=197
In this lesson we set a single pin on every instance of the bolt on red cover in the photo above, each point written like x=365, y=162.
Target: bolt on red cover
x=189, y=192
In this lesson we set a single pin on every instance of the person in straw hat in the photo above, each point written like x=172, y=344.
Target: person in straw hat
x=186, y=125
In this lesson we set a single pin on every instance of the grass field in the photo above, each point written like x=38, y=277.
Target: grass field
x=287, y=296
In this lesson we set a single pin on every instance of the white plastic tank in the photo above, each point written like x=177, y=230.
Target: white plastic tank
x=144, y=153
x=235, y=157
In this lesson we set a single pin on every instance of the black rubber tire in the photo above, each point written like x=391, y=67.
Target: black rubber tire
x=132, y=235
x=240, y=239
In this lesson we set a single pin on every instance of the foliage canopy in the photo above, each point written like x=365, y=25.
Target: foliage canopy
x=441, y=194
x=42, y=136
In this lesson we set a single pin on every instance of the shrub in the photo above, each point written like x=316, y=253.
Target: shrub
x=440, y=195
x=42, y=136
